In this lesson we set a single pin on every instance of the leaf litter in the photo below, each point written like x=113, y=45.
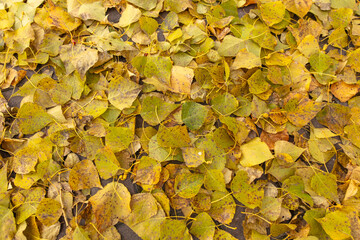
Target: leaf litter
x=210, y=107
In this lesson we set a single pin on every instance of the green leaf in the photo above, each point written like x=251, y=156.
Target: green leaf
x=193, y=115
x=123, y=92
x=295, y=185
x=254, y=152
x=320, y=61
x=187, y=185
x=249, y=194
x=310, y=217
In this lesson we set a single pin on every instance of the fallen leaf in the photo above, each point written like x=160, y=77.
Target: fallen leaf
x=254, y=152
x=84, y=176
x=299, y=7
x=343, y=91
x=48, y=211
x=110, y=204
x=123, y=92
x=181, y=79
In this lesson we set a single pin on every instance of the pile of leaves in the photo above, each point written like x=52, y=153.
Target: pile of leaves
x=212, y=108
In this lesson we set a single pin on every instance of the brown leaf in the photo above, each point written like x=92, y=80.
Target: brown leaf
x=270, y=139
x=344, y=91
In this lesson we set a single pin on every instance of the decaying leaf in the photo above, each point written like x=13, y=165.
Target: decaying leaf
x=83, y=176
x=110, y=204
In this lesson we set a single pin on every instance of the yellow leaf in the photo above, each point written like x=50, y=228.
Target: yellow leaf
x=129, y=16
x=299, y=7
x=84, y=175
x=49, y=211
x=246, y=59
x=181, y=79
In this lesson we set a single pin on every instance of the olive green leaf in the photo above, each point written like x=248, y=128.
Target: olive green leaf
x=176, y=136
x=118, y=138
x=32, y=118
x=336, y=224
x=174, y=229
x=48, y=211
x=249, y=194
x=325, y=185
x=224, y=104
x=155, y=110
x=106, y=163
x=223, y=207
x=187, y=185
x=203, y=227
x=193, y=115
